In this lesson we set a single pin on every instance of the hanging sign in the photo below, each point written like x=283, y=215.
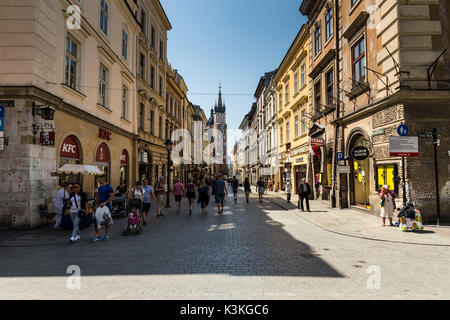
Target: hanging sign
x=69, y=149
x=360, y=153
x=47, y=138
x=317, y=142
x=404, y=146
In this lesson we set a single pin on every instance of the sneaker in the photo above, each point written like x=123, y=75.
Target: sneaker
x=77, y=238
x=105, y=238
x=95, y=239
x=72, y=239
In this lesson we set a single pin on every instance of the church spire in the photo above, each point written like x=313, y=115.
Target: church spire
x=220, y=106
x=220, y=94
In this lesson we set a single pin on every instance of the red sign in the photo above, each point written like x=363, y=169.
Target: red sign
x=69, y=149
x=104, y=134
x=47, y=138
x=317, y=142
x=124, y=158
x=102, y=154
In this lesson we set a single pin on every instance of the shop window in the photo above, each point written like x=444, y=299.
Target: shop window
x=387, y=175
x=70, y=153
x=102, y=162
x=124, y=165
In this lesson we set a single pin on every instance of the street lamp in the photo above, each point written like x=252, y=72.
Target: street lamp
x=168, y=145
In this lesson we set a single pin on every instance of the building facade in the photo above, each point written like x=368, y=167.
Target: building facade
x=292, y=113
x=271, y=163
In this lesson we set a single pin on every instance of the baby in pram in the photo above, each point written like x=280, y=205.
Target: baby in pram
x=133, y=217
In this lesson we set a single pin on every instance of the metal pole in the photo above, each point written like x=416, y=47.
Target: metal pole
x=438, y=207
x=404, y=182
x=168, y=179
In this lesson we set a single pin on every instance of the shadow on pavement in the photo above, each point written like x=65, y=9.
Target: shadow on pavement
x=242, y=242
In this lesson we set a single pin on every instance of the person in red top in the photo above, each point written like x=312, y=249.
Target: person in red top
x=178, y=191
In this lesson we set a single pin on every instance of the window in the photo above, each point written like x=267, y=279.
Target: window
x=317, y=96
x=281, y=101
x=287, y=94
x=329, y=23
x=141, y=117
x=296, y=82
x=317, y=41
x=161, y=50
x=71, y=63
x=152, y=77
x=103, y=86
x=281, y=135
x=288, y=136
x=296, y=127
x=329, y=77
x=153, y=37
x=124, y=44
x=274, y=107
x=358, y=62
x=171, y=106
x=104, y=16
x=167, y=103
x=144, y=22
x=125, y=103
x=303, y=122
x=160, y=86
x=142, y=66
x=303, y=74
x=152, y=122
x=353, y=2
x=160, y=127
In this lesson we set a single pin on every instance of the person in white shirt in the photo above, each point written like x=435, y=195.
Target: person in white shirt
x=61, y=197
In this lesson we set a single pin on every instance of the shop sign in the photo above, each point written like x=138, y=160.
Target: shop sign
x=404, y=146
x=378, y=132
x=317, y=142
x=299, y=160
x=124, y=158
x=360, y=153
x=102, y=154
x=343, y=169
x=47, y=138
x=69, y=149
x=103, y=134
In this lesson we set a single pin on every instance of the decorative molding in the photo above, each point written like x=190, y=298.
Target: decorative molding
x=359, y=22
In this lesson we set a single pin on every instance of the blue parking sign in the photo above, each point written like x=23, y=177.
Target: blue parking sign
x=340, y=156
x=2, y=124
x=2, y=111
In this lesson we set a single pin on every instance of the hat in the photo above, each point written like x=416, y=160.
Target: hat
x=386, y=187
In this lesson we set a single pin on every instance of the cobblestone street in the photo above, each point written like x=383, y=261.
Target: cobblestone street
x=253, y=251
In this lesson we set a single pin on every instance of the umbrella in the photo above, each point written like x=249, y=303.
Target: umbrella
x=80, y=169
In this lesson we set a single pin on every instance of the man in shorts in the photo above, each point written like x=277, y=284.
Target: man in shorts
x=103, y=199
x=220, y=191
x=261, y=187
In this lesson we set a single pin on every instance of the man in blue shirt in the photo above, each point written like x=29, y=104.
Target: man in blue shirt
x=221, y=189
x=104, y=198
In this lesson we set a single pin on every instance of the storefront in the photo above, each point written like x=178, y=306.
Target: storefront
x=70, y=153
x=360, y=172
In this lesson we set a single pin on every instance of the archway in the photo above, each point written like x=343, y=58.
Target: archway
x=359, y=174
x=70, y=153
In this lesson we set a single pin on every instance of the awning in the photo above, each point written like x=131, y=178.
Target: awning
x=80, y=169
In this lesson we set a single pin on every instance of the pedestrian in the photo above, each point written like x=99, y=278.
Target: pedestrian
x=190, y=194
x=137, y=194
x=160, y=190
x=247, y=189
x=387, y=205
x=178, y=191
x=60, y=203
x=235, y=187
x=270, y=185
x=203, y=195
x=288, y=190
x=121, y=190
x=261, y=186
x=78, y=210
x=220, y=191
x=304, y=190
x=147, y=201
x=104, y=197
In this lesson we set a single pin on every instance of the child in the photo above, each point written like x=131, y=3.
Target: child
x=133, y=218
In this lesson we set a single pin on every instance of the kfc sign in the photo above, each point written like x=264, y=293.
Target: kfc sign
x=103, y=134
x=102, y=154
x=69, y=149
x=124, y=158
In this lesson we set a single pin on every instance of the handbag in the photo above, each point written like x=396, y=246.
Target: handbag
x=81, y=212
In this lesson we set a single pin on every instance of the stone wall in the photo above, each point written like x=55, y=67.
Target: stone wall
x=24, y=171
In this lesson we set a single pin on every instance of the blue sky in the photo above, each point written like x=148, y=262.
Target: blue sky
x=234, y=41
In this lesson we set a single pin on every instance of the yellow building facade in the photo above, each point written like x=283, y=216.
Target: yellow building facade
x=292, y=85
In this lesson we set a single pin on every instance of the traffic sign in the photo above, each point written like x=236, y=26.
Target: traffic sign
x=340, y=156
x=403, y=130
x=404, y=146
x=343, y=169
x=2, y=111
x=2, y=124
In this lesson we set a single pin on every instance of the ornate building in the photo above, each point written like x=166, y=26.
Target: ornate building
x=216, y=129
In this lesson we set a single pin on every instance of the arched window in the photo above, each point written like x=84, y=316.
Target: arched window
x=102, y=161
x=70, y=153
x=124, y=168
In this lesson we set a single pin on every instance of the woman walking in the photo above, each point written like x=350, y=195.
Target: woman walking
x=178, y=191
x=288, y=190
x=78, y=209
x=203, y=196
x=387, y=205
x=190, y=194
x=137, y=193
x=247, y=189
x=159, y=193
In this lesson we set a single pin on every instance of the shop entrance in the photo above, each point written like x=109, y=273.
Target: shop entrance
x=300, y=173
x=360, y=176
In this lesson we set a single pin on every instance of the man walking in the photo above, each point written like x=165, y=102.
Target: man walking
x=220, y=190
x=103, y=199
x=261, y=188
x=159, y=192
x=148, y=195
x=235, y=187
x=304, y=190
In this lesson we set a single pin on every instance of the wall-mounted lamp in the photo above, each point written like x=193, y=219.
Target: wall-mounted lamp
x=44, y=111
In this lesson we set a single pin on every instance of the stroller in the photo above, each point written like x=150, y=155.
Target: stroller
x=134, y=225
x=119, y=207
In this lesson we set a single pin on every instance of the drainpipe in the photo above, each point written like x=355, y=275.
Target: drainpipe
x=336, y=35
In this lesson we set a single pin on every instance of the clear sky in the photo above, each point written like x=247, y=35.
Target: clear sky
x=232, y=41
